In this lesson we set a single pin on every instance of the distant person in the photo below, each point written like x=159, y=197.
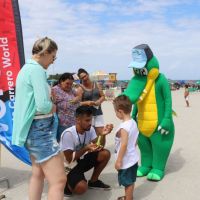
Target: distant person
x=66, y=99
x=34, y=124
x=186, y=95
x=125, y=146
x=79, y=143
x=92, y=95
x=198, y=88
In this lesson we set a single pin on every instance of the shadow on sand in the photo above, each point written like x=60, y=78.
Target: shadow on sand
x=145, y=189
x=108, y=178
x=175, y=162
x=15, y=177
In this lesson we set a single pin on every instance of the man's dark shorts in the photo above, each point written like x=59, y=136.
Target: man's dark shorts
x=77, y=173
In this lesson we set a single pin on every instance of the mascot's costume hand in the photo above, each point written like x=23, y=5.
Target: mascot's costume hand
x=149, y=91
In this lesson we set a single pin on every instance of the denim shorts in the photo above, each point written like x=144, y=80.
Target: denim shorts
x=41, y=140
x=127, y=176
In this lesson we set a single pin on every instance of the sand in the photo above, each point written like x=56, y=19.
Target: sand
x=180, y=183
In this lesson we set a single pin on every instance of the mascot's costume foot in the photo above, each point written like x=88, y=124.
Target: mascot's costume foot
x=149, y=91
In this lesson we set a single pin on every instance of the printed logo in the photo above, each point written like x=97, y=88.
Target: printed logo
x=3, y=127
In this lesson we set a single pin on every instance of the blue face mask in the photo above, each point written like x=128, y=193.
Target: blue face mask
x=139, y=58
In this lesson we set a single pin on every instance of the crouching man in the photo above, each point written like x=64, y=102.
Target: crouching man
x=79, y=143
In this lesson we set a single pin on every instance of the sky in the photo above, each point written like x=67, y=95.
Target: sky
x=100, y=34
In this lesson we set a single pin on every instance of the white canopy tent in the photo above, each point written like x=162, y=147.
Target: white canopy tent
x=99, y=75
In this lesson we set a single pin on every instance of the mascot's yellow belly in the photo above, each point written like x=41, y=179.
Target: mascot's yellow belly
x=147, y=113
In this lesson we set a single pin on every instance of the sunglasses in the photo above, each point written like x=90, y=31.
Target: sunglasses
x=54, y=58
x=81, y=78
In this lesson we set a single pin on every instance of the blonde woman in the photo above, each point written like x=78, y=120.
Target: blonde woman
x=34, y=124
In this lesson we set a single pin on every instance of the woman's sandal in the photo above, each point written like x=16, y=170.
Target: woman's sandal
x=121, y=198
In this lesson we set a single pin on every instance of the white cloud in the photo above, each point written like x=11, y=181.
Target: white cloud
x=84, y=40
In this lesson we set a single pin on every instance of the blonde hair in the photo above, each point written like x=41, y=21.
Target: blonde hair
x=44, y=45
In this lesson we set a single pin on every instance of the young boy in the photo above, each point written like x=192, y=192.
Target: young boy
x=125, y=146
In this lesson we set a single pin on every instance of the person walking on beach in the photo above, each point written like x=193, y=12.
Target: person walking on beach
x=186, y=95
x=92, y=95
x=34, y=124
x=66, y=100
x=79, y=144
x=125, y=146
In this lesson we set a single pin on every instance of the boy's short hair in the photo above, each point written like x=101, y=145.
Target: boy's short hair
x=84, y=110
x=122, y=102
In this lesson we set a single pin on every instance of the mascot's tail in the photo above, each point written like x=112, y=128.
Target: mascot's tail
x=12, y=54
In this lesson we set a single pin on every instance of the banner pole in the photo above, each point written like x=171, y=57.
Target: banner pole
x=0, y=154
x=3, y=179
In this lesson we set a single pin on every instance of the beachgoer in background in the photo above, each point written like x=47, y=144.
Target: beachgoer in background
x=66, y=100
x=186, y=95
x=92, y=95
x=34, y=124
x=125, y=146
x=79, y=143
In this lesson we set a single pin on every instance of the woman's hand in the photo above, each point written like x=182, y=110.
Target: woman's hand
x=73, y=101
x=90, y=103
x=97, y=103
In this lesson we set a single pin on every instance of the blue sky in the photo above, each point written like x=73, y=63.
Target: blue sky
x=99, y=35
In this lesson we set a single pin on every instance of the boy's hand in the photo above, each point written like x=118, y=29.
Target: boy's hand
x=118, y=165
x=107, y=129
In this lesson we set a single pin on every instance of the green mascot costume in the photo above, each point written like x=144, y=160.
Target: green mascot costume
x=149, y=91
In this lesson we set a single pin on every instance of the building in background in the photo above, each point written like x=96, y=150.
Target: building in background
x=113, y=77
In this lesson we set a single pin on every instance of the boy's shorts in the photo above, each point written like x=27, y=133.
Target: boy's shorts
x=127, y=176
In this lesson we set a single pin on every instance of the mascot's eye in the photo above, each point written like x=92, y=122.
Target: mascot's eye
x=136, y=71
x=143, y=72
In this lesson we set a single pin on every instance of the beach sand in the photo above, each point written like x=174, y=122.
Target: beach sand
x=181, y=181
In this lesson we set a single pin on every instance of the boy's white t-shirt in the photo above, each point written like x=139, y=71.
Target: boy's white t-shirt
x=74, y=141
x=131, y=156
